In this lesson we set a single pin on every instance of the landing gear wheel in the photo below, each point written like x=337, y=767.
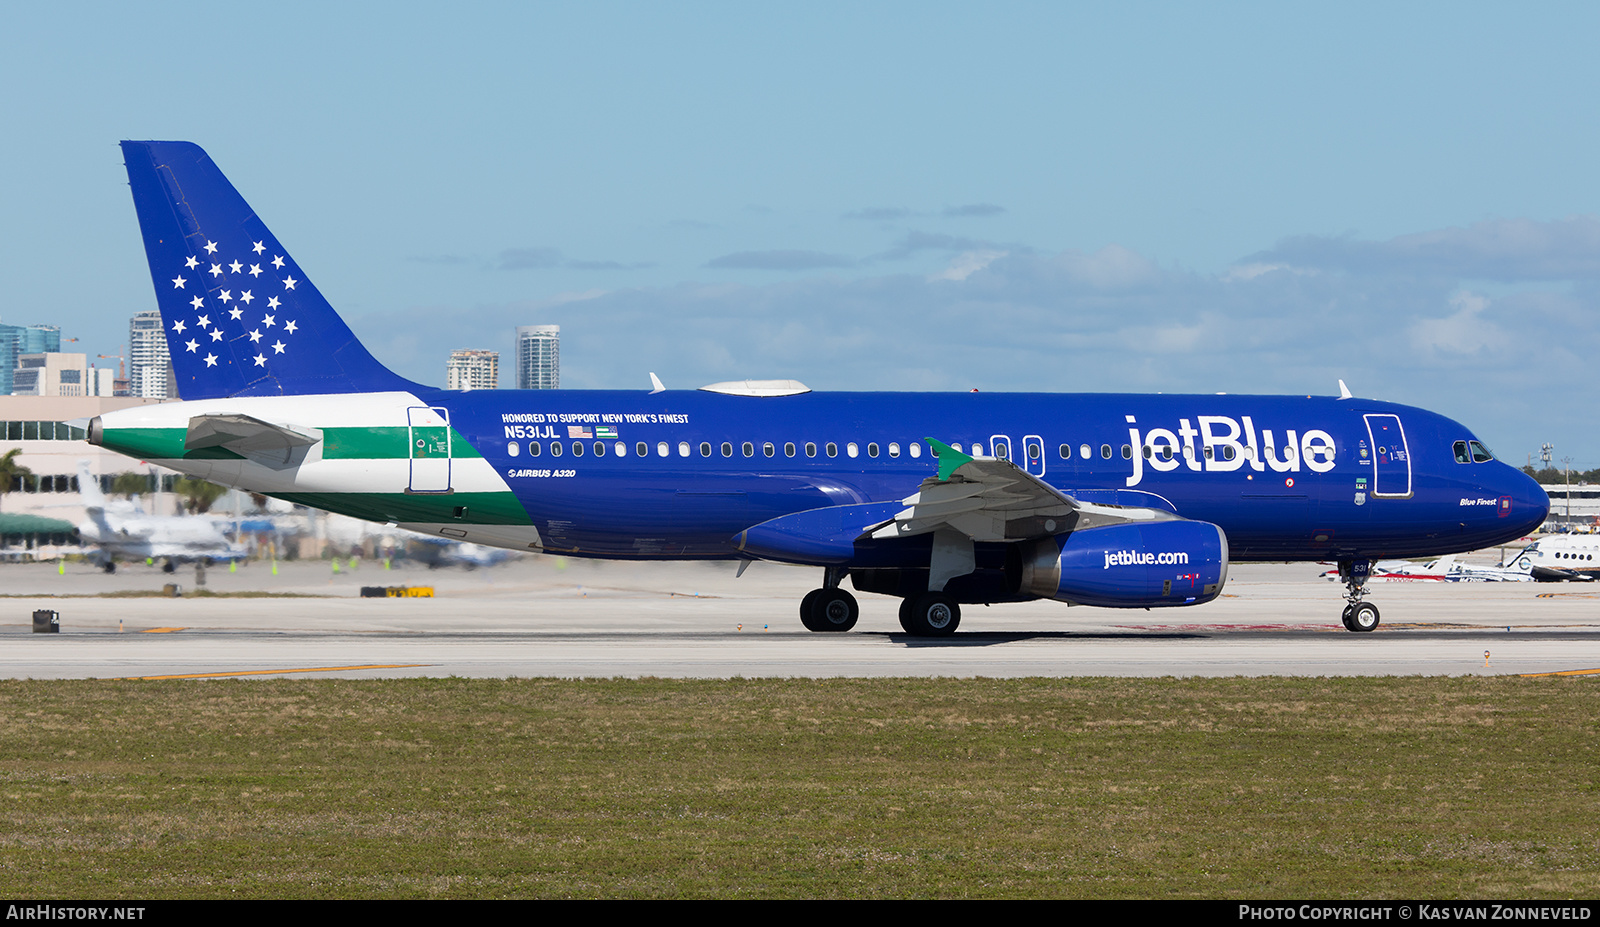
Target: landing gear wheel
x=1363, y=617
x=1345, y=617
x=932, y=614
x=168, y=567
x=830, y=610
x=905, y=614
x=805, y=607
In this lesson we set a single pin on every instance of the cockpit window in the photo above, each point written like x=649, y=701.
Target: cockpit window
x=1480, y=453
x=1462, y=455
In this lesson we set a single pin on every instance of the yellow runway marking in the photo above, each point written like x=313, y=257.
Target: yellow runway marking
x=160, y=630
x=1583, y=672
x=309, y=669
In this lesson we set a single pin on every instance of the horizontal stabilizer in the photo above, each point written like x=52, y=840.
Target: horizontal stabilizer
x=277, y=446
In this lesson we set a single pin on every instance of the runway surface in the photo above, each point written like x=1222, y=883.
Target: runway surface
x=545, y=616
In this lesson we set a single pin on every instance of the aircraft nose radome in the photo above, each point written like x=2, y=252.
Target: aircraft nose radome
x=1530, y=505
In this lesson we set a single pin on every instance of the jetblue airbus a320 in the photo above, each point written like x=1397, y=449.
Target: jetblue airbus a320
x=1120, y=501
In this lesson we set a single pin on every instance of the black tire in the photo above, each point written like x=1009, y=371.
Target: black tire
x=1345, y=618
x=905, y=614
x=805, y=608
x=831, y=610
x=1364, y=618
x=933, y=614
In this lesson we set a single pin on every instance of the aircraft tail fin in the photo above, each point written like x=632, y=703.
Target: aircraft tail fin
x=89, y=487
x=240, y=317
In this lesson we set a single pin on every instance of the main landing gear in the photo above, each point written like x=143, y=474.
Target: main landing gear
x=1358, y=616
x=829, y=608
x=931, y=614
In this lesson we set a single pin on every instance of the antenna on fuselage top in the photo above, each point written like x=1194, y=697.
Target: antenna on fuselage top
x=656, y=382
x=1344, y=391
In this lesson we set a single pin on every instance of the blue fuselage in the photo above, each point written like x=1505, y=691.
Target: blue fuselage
x=678, y=474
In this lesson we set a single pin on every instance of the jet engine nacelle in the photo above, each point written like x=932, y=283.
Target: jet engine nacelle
x=1137, y=565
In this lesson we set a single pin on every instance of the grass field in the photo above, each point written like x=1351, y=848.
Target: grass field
x=1211, y=788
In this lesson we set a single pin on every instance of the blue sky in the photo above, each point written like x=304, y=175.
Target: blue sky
x=1184, y=198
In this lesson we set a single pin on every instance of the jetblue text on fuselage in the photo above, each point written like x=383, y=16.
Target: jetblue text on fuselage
x=1227, y=444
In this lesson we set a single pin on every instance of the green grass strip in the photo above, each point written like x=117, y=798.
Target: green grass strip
x=872, y=788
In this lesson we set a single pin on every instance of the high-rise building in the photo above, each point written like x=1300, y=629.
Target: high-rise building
x=538, y=357
x=17, y=340
x=57, y=374
x=469, y=369
x=149, y=364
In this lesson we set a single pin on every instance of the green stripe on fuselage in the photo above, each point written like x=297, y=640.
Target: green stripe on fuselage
x=480, y=508
x=337, y=444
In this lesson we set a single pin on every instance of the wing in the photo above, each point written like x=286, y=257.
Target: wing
x=993, y=499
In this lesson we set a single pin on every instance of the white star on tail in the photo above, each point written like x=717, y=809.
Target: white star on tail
x=216, y=270
x=235, y=312
x=178, y=326
x=211, y=360
x=272, y=302
x=178, y=282
x=216, y=334
x=226, y=295
x=255, y=270
x=191, y=345
x=289, y=326
x=258, y=247
x=236, y=267
x=246, y=297
x=277, y=261
x=255, y=336
x=277, y=348
x=191, y=263
x=197, y=302
x=289, y=282
x=268, y=321
x=211, y=247
x=261, y=360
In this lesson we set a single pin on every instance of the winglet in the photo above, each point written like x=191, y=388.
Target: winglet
x=1344, y=391
x=950, y=459
x=655, y=381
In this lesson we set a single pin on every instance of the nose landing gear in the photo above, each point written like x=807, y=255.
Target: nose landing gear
x=1358, y=616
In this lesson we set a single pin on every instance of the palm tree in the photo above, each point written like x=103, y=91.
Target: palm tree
x=11, y=472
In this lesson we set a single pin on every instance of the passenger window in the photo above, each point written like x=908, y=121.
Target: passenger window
x=1228, y=453
x=577, y=448
x=533, y=449
x=683, y=449
x=705, y=448
x=872, y=450
x=811, y=449
x=1065, y=451
x=1002, y=451
x=977, y=450
x=1084, y=450
x=768, y=449
x=788, y=449
x=513, y=448
x=894, y=449
x=727, y=448
x=1035, y=452
x=748, y=449
x=1105, y=451
x=642, y=449
x=851, y=449
x=916, y=450
x=1208, y=452
x=1147, y=452
x=1127, y=452
x=599, y=449
x=833, y=449
x=555, y=448
x=662, y=449
x=622, y=449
